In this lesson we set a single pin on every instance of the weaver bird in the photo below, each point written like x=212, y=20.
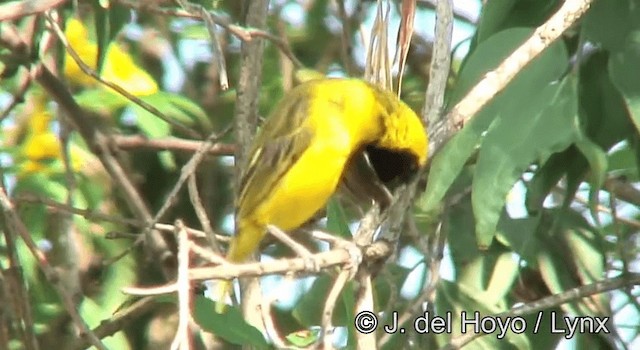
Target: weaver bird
x=301, y=152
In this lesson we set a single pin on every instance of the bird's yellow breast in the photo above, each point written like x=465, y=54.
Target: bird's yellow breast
x=305, y=188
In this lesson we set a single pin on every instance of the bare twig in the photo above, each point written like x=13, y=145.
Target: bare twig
x=117, y=88
x=346, y=46
x=201, y=213
x=364, y=301
x=336, y=257
x=609, y=284
x=283, y=237
x=118, y=321
x=216, y=48
x=439, y=70
x=329, y=306
x=428, y=292
x=182, y=339
x=94, y=137
x=16, y=9
x=245, y=34
x=127, y=142
x=464, y=14
x=15, y=224
x=496, y=80
x=187, y=170
x=12, y=282
x=24, y=83
x=246, y=119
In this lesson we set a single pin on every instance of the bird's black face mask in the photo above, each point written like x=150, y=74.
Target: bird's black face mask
x=392, y=166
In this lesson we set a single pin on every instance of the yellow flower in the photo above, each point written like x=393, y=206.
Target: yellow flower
x=41, y=147
x=119, y=67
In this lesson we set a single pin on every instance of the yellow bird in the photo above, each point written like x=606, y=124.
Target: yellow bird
x=301, y=152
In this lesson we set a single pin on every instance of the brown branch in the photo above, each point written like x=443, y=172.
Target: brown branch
x=246, y=120
x=201, y=213
x=439, y=69
x=216, y=48
x=127, y=142
x=182, y=338
x=327, y=259
x=242, y=33
x=95, y=138
x=330, y=304
x=118, y=321
x=16, y=9
x=609, y=284
x=623, y=190
x=17, y=226
x=117, y=88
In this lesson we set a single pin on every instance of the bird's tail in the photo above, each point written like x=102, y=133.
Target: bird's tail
x=242, y=246
x=223, y=290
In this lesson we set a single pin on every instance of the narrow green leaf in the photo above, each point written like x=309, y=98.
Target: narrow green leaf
x=527, y=134
x=625, y=75
x=230, y=326
x=597, y=159
x=337, y=221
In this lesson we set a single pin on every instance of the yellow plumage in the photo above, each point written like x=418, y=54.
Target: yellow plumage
x=300, y=154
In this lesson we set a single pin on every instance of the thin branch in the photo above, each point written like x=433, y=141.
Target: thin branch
x=201, y=213
x=187, y=170
x=94, y=137
x=13, y=283
x=245, y=34
x=459, y=13
x=246, y=120
x=216, y=48
x=329, y=306
x=24, y=83
x=496, y=80
x=15, y=224
x=118, y=321
x=130, y=142
x=182, y=339
x=439, y=70
x=117, y=88
x=336, y=257
x=17, y=9
x=609, y=284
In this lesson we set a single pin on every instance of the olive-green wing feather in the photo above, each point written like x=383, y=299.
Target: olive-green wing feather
x=280, y=143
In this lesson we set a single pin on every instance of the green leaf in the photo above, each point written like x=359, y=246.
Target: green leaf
x=571, y=255
x=625, y=75
x=623, y=163
x=608, y=22
x=519, y=236
x=597, y=159
x=337, y=221
x=175, y=107
x=449, y=162
x=531, y=131
x=504, y=273
x=230, y=326
x=109, y=103
x=309, y=309
x=394, y=276
x=110, y=17
x=456, y=298
x=303, y=338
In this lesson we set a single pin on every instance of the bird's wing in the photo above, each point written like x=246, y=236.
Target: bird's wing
x=283, y=139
